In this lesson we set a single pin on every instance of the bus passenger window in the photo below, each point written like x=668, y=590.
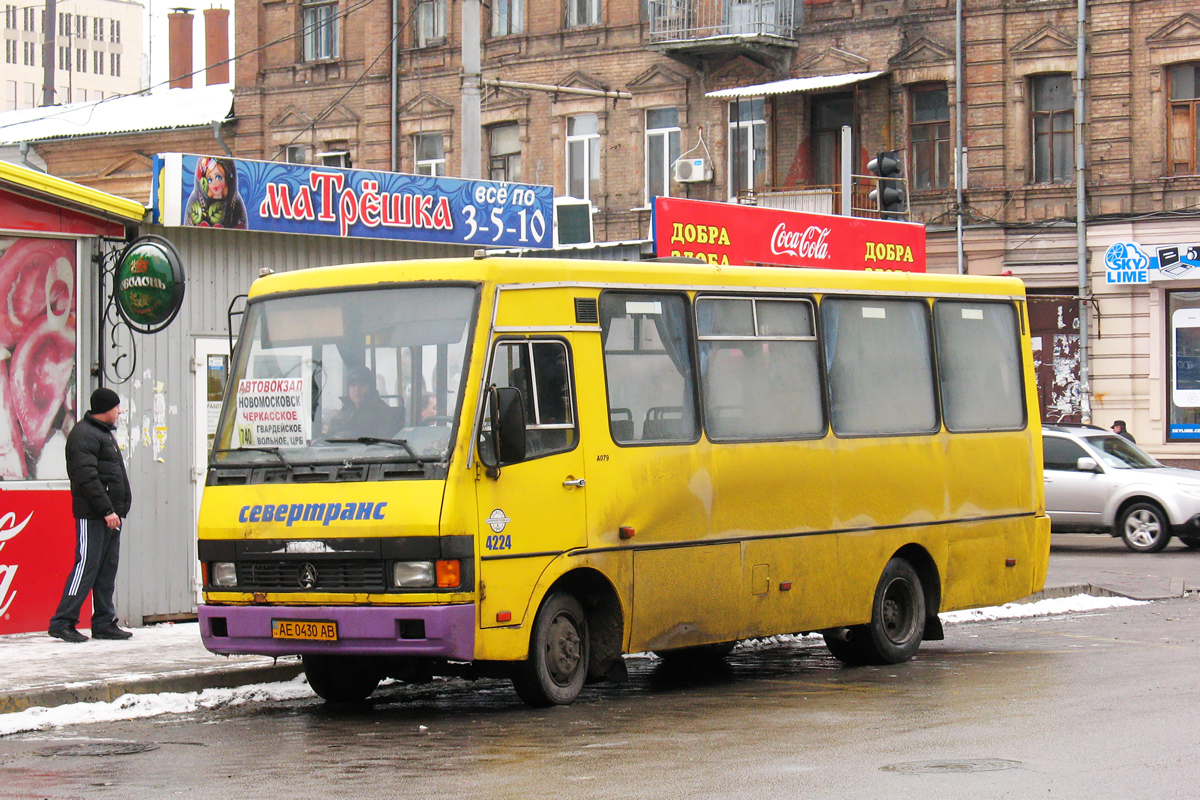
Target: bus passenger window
x=760, y=376
x=540, y=370
x=880, y=366
x=979, y=365
x=648, y=368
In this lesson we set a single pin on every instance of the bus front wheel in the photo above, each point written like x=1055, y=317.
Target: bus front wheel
x=897, y=616
x=341, y=679
x=558, y=654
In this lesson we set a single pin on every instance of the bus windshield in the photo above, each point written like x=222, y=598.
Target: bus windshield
x=366, y=375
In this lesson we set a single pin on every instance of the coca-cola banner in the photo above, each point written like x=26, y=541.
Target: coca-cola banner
x=727, y=233
x=37, y=551
x=37, y=356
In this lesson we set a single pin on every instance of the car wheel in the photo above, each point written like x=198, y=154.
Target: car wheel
x=1145, y=528
x=1191, y=541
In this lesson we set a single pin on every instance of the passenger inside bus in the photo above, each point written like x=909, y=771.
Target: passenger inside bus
x=364, y=412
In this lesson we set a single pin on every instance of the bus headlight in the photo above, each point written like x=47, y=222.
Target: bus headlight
x=412, y=574
x=223, y=573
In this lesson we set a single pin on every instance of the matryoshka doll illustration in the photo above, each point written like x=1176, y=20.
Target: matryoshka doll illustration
x=215, y=202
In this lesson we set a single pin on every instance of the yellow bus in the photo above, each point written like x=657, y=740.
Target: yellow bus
x=529, y=467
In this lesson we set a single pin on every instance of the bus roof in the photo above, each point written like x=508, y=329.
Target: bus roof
x=515, y=272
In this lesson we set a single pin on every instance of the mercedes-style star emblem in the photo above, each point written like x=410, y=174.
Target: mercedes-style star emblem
x=307, y=576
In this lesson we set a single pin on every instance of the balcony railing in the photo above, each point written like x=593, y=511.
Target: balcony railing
x=691, y=20
x=817, y=199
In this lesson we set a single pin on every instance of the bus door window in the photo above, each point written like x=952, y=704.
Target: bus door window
x=648, y=368
x=760, y=376
x=541, y=371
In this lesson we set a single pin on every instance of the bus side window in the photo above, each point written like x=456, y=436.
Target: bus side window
x=541, y=372
x=648, y=368
x=979, y=365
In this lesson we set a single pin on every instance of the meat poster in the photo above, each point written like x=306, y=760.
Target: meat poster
x=37, y=356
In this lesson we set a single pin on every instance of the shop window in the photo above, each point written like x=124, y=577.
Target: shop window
x=504, y=152
x=1183, y=352
x=319, y=21
x=662, y=150
x=1184, y=80
x=747, y=145
x=583, y=156
x=929, y=137
x=1053, y=129
x=508, y=17
x=429, y=154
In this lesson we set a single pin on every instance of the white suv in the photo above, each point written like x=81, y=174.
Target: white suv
x=1099, y=481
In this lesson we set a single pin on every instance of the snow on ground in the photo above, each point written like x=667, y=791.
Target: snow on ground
x=135, y=706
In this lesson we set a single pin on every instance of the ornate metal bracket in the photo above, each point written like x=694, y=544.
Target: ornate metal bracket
x=116, y=358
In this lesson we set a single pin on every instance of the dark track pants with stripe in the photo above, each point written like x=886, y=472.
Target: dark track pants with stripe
x=97, y=548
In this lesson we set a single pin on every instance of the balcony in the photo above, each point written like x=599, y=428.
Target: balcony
x=691, y=30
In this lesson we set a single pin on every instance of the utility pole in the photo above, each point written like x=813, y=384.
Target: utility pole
x=50, y=28
x=472, y=114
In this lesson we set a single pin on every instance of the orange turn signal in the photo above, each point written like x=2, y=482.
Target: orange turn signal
x=449, y=574
x=503, y=616
x=626, y=532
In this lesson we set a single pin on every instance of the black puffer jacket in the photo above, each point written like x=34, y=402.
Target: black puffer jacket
x=99, y=485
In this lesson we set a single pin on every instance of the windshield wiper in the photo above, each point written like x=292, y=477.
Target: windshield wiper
x=377, y=440
x=257, y=449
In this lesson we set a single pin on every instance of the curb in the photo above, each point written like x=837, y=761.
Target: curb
x=1175, y=588
x=107, y=691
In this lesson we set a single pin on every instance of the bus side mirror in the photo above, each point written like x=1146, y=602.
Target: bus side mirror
x=506, y=438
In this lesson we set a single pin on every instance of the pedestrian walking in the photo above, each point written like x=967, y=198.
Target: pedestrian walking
x=100, y=500
x=1118, y=427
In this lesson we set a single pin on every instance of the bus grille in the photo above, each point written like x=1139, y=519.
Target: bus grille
x=330, y=575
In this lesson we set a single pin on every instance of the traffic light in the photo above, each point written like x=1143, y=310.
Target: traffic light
x=888, y=195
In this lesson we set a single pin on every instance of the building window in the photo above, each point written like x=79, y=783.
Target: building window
x=80, y=26
x=114, y=31
x=583, y=12
x=1053, y=129
x=10, y=17
x=504, y=149
x=335, y=154
x=747, y=145
x=64, y=24
x=431, y=22
x=296, y=154
x=114, y=63
x=929, y=138
x=98, y=29
x=1185, y=113
x=30, y=15
x=829, y=114
x=583, y=156
x=97, y=62
x=508, y=16
x=662, y=150
x=64, y=59
x=30, y=54
x=10, y=51
x=320, y=36
x=81, y=60
x=429, y=154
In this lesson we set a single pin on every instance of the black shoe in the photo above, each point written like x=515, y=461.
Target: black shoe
x=68, y=635
x=110, y=633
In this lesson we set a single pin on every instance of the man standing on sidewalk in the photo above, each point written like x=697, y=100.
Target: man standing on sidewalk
x=100, y=498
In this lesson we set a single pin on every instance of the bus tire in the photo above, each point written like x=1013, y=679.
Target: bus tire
x=559, y=650
x=341, y=679
x=1144, y=527
x=846, y=644
x=897, y=615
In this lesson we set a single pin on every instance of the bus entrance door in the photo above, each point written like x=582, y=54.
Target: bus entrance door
x=534, y=511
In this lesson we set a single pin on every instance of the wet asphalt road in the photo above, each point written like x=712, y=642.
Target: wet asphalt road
x=1097, y=705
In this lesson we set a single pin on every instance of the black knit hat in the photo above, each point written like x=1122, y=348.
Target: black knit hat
x=104, y=399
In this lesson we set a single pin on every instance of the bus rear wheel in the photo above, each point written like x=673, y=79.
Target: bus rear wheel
x=558, y=654
x=897, y=616
x=341, y=679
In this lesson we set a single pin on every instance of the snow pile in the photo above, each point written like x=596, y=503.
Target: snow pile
x=1040, y=608
x=137, y=706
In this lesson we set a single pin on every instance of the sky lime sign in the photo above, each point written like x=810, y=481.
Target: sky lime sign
x=1133, y=263
x=149, y=284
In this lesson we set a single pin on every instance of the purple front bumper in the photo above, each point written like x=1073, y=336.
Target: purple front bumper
x=448, y=631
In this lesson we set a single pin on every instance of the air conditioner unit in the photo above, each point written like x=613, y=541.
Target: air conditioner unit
x=692, y=170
